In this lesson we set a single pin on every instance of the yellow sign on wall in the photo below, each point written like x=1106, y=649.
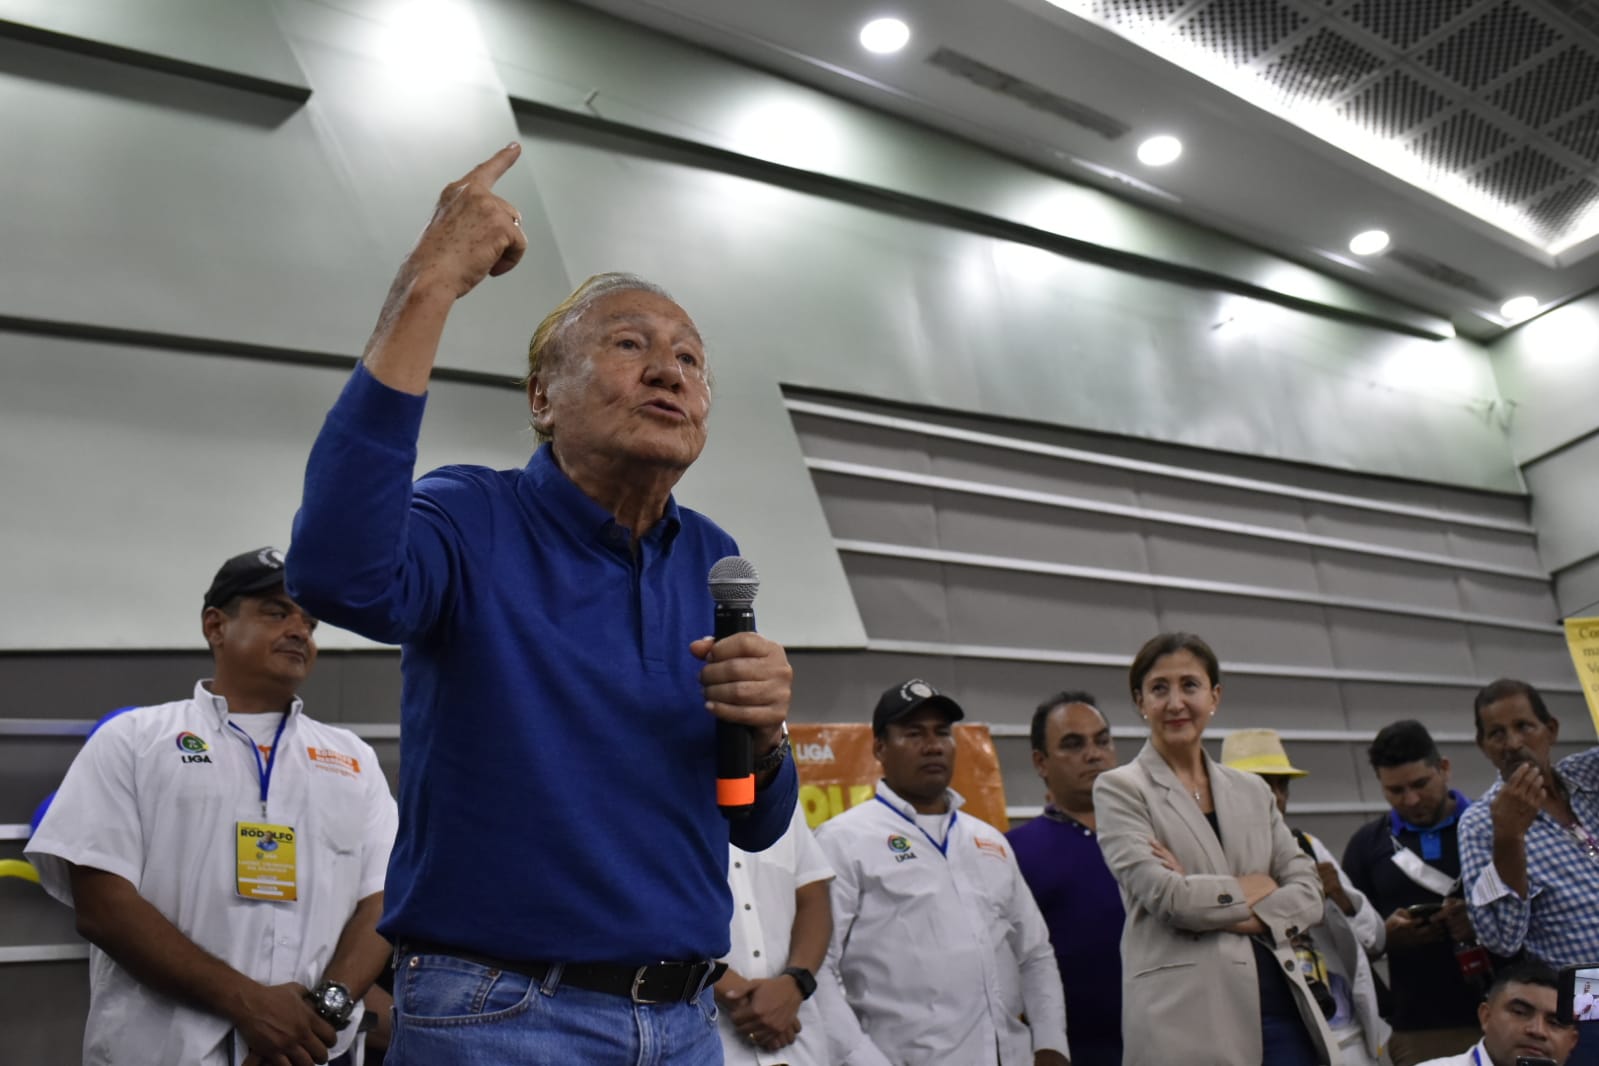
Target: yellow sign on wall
x=1582, y=637
x=837, y=770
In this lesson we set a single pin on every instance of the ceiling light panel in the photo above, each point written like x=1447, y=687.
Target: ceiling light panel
x=1490, y=105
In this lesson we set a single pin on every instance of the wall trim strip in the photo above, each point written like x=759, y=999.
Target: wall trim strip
x=1166, y=470
x=1186, y=584
x=1171, y=518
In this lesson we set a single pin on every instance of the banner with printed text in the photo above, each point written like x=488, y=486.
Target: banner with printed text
x=837, y=770
x=1582, y=637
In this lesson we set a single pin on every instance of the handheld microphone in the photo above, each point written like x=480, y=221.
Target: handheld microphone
x=733, y=583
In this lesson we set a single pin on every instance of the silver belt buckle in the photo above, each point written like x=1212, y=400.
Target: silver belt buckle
x=638, y=979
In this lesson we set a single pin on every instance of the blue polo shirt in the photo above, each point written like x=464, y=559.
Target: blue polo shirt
x=557, y=774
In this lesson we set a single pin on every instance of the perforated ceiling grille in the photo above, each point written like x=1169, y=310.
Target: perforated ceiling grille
x=1492, y=105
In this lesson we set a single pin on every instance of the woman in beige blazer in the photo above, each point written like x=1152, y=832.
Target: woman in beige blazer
x=1213, y=883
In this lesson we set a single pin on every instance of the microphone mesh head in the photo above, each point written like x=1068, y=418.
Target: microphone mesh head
x=734, y=582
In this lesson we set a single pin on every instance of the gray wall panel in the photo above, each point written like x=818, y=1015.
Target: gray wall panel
x=1389, y=643
x=1227, y=505
x=843, y=686
x=1492, y=546
x=1253, y=702
x=1507, y=597
x=1251, y=631
x=137, y=500
x=1393, y=531
x=1026, y=531
x=42, y=1008
x=876, y=510
x=242, y=38
x=1030, y=611
x=1565, y=486
x=870, y=445
x=1502, y=652
x=1548, y=373
x=1038, y=473
x=901, y=599
x=1577, y=588
x=1225, y=557
x=1386, y=580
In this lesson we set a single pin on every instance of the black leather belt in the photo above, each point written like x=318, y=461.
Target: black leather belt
x=659, y=982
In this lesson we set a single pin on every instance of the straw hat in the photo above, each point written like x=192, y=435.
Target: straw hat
x=1257, y=751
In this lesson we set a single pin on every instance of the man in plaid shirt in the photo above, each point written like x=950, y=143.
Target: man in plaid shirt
x=1529, y=850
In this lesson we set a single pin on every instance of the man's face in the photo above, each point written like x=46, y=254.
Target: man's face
x=1512, y=734
x=1278, y=783
x=1418, y=791
x=1520, y=1020
x=1077, y=749
x=918, y=754
x=634, y=388
x=270, y=639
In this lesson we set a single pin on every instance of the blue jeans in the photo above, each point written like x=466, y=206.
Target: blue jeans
x=450, y=1011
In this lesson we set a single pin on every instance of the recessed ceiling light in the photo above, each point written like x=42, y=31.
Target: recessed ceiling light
x=1158, y=151
x=884, y=36
x=1369, y=243
x=1519, y=307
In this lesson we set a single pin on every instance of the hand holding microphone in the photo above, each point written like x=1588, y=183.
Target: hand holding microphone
x=747, y=680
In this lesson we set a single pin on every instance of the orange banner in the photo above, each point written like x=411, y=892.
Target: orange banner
x=837, y=770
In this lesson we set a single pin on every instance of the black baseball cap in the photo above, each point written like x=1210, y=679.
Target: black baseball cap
x=254, y=571
x=899, y=700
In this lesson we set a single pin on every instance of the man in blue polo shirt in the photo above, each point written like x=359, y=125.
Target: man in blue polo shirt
x=559, y=835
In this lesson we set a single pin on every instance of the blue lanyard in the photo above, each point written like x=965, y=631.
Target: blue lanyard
x=263, y=769
x=943, y=849
x=1475, y=1058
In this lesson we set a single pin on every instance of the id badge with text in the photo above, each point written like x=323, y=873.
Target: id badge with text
x=266, y=867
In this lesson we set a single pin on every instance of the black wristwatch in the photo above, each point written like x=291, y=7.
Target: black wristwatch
x=333, y=1003
x=805, y=980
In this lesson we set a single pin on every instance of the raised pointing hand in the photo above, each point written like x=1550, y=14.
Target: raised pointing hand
x=473, y=233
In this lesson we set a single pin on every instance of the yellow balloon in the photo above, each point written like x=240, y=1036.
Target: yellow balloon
x=19, y=868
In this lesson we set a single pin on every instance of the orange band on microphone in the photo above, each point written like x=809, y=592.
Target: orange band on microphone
x=735, y=791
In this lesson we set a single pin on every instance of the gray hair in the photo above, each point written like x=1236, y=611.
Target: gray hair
x=549, y=352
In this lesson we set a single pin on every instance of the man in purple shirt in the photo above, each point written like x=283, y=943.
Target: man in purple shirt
x=1060, y=859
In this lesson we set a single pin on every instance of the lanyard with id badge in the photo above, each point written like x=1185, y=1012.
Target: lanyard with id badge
x=265, y=863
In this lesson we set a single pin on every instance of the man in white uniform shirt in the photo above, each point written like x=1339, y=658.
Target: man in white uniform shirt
x=937, y=941
x=225, y=855
x=782, y=921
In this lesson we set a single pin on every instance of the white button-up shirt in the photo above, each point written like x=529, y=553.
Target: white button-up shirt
x=763, y=885
x=148, y=802
x=1477, y=1056
x=937, y=942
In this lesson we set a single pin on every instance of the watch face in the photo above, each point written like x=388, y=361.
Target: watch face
x=334, y=999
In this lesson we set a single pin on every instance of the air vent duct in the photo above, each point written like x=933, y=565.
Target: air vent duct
x=1035, y=96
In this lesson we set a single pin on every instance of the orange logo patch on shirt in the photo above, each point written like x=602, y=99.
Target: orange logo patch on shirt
x=336, y=761
x=993, y=847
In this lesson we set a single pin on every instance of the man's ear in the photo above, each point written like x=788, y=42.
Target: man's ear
x=538, y=403
x=214, y=624
x=1038, y=762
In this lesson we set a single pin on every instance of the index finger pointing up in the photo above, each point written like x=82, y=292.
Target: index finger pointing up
x=494, y=167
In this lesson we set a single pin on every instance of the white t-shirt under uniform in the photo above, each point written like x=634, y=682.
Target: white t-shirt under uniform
x=763, y=885
x=155, y=797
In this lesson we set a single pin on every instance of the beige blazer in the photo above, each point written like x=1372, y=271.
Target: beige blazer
x=1189, y=989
